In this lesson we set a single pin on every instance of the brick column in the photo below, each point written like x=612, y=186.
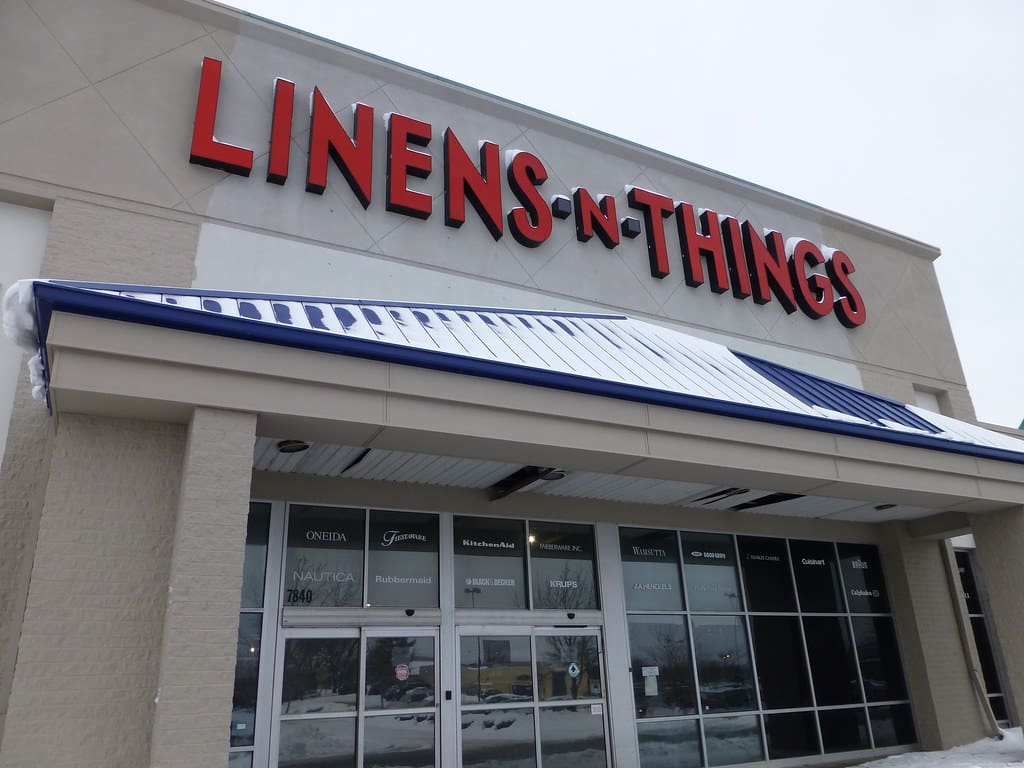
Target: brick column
x=197, y=658
x=999, y=538
x=945, y=707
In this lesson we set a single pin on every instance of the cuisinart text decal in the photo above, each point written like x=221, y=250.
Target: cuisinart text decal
x=721, y=251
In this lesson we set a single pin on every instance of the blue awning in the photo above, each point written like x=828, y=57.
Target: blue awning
x=606, y=355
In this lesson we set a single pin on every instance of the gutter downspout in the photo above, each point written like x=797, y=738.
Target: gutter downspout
x=967, y=640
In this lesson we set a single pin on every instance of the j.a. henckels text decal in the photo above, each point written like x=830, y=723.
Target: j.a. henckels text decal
x=726, y=254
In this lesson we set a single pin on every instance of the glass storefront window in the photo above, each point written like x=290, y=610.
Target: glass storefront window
x=568, y=667
x=862, y=574
x=480, y=730
x=562, y=564
x=791, y=734
x=400, y=673
x=968, y=583
x=766, y=577
x=733, y=740
x=495, y=669
x=247, y=677
x=254, y=570
x=724, y=670
x=323, y=741
x=390, y=741
x=669, y=744
x=490, y=563
x=324, y=563
x=659, y=655
x=817, y=577
x=650, y=569
x=709, y=563
x=833, y=667
x=781, y=665
x=879, y=657
x=571, y=737
x=403, y=560
x=843, y=730
x=892, y=725
x=320, y=675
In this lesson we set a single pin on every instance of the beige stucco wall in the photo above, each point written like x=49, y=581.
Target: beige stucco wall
x=83, y=689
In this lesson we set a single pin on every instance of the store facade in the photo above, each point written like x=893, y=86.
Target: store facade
x=281, y=487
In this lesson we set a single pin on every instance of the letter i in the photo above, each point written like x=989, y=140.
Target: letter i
x=281, y=131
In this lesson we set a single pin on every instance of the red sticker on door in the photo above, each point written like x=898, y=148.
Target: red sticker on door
x=402, y=672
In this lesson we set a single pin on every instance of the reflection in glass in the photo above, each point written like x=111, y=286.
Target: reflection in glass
x=709, y=563
x=968, y=582
x=862, y=573
x=659, y=654
x=833, y=667
x=669, y=744
x=239, y=759
x=562, y=565
x=879, y=658
x=985, y=655
x=496, y=738
x=324, y=563
x=495, y=669
x=892, y=725
x=733, y=740
x=817, y=577
x=402, y=570
x=247, y=674
x=843, y=730
x=781, y=666
x=650, y=570
x=403, y=740
x=724, y=671
x=571, y=737
x=399, y=672
x=320, y=675
x=318, y=742
x=254, y=570
x=568, y=667
x=765, y=566
x=998, y=704
x=792, y=734
x=490, y=563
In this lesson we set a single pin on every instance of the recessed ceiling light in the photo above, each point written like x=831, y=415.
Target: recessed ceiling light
x=292, y=446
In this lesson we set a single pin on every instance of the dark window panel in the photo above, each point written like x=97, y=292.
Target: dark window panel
x=879, y=656
x=724, y=670
x=766, y=577
x=240, y=760
x=791, y=734
x=254, y=570
x=490, y=563
x=403, y=560
x=669, y=744
x=862, y=573
x=562, y=565
x=892, y=725
x=324, y=561
x=968, y=582
x=985, y=655
x=731, y=740
x=650, y=569
x=247, y=675
x=844, y=730
x=659, y=656
x=320, y=675
x=833, y=667
x=709, y=562
x=781, y=665
x=998, y=704
x=817, y=577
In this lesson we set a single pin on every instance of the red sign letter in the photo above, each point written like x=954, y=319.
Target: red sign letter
x=529, y=224
x=281, y=131
x=766, y=260
x=404, y=162
x=462, y=180
x=695, y=244
x=602, y=213
x=813, y=292
x=206, y=150
x=654, y=207
x=849, y=307
x=353, y=158
x=732, y=241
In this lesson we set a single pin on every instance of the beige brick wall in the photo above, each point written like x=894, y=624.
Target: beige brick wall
x=197, y=659
x=945, y=709
x=86, y=242
x=86, y=673
x=999, y=554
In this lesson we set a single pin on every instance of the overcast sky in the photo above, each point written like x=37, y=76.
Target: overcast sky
x=903, y=113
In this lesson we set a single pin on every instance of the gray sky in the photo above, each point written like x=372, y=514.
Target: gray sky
x=902, y=113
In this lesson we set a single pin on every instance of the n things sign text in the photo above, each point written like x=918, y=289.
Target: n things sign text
x=721, y=252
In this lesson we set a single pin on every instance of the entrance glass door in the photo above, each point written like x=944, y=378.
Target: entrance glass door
x=531, y=698
x=359, y=698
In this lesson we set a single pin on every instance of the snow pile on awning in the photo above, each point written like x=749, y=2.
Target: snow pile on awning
x=605, y=355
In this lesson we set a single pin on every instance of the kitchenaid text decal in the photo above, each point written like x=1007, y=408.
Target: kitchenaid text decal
x=725, y=253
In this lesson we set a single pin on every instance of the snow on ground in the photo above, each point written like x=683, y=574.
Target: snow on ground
x=987, y=753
